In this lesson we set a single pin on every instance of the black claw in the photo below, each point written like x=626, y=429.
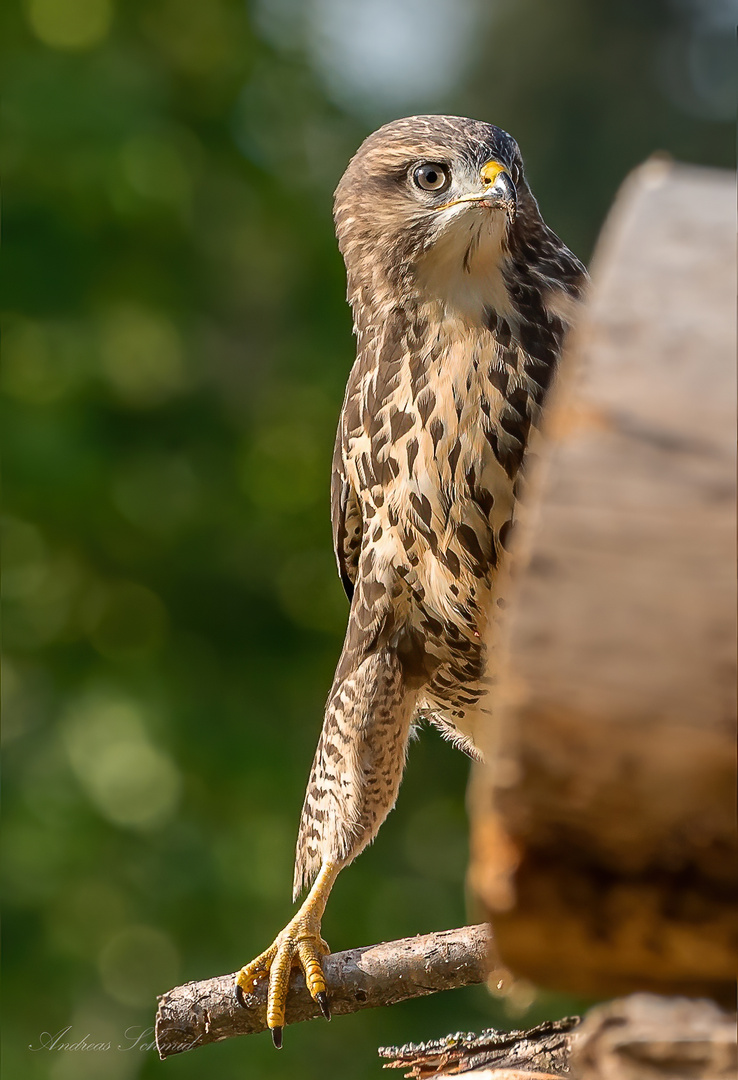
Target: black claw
x=325, y=1006
x=277, y=1037
x=238, y=995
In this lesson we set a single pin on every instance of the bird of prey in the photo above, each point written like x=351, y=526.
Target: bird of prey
x=461, y=297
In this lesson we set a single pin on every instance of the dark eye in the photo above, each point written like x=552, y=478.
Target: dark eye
x=432, y=177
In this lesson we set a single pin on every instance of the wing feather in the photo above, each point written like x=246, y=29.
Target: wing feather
x=345, y=517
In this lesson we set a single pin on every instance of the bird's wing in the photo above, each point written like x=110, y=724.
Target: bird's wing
x=345, y=517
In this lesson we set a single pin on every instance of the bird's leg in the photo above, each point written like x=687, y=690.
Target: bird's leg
x=353, y=785
x=300, y=944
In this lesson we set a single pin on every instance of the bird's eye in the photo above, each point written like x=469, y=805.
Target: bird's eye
x=432, y=177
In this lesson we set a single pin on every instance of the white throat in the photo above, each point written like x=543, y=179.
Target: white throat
x=463, y=267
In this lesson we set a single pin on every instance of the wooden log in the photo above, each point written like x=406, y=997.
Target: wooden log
x=542, y=1053
x=645, y=1037
x=641, y=1037
x=603, y=832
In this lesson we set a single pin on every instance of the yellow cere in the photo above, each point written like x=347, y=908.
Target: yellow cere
x=488, y=174
x=491, y=171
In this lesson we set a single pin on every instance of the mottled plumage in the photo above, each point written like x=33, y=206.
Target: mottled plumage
x=461, y=297
x=458, y=334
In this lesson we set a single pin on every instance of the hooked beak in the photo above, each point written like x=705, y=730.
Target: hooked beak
x=497, y=190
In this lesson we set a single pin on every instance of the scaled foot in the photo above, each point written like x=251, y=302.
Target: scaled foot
x=299, y=944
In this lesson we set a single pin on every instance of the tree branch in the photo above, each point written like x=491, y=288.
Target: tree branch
x=204, y=1012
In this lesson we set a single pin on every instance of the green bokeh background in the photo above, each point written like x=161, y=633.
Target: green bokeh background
x=176, y=347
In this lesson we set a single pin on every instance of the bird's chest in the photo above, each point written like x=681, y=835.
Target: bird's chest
x=429, y=464
x=431, y=425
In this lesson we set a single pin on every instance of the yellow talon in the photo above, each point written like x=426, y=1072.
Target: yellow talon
x=310, y=957
x=300, y=944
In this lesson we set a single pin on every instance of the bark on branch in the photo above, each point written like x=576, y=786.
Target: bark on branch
x=204, y=1012
x=542, y=1053
x=641, y=1037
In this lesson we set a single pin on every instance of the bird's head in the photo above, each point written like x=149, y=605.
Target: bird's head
x=428, y=204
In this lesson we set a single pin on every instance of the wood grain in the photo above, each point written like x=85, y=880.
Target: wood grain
x=604, y=840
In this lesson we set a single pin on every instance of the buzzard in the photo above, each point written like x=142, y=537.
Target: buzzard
x=461, y=298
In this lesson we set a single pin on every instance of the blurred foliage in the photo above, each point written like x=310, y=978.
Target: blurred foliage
x=176, y=346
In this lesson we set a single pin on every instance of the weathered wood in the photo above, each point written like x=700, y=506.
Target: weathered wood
x=642, y=1037
x=604, y=842
x=204, y=1012
x=645, y=1037
x=541, y=1052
